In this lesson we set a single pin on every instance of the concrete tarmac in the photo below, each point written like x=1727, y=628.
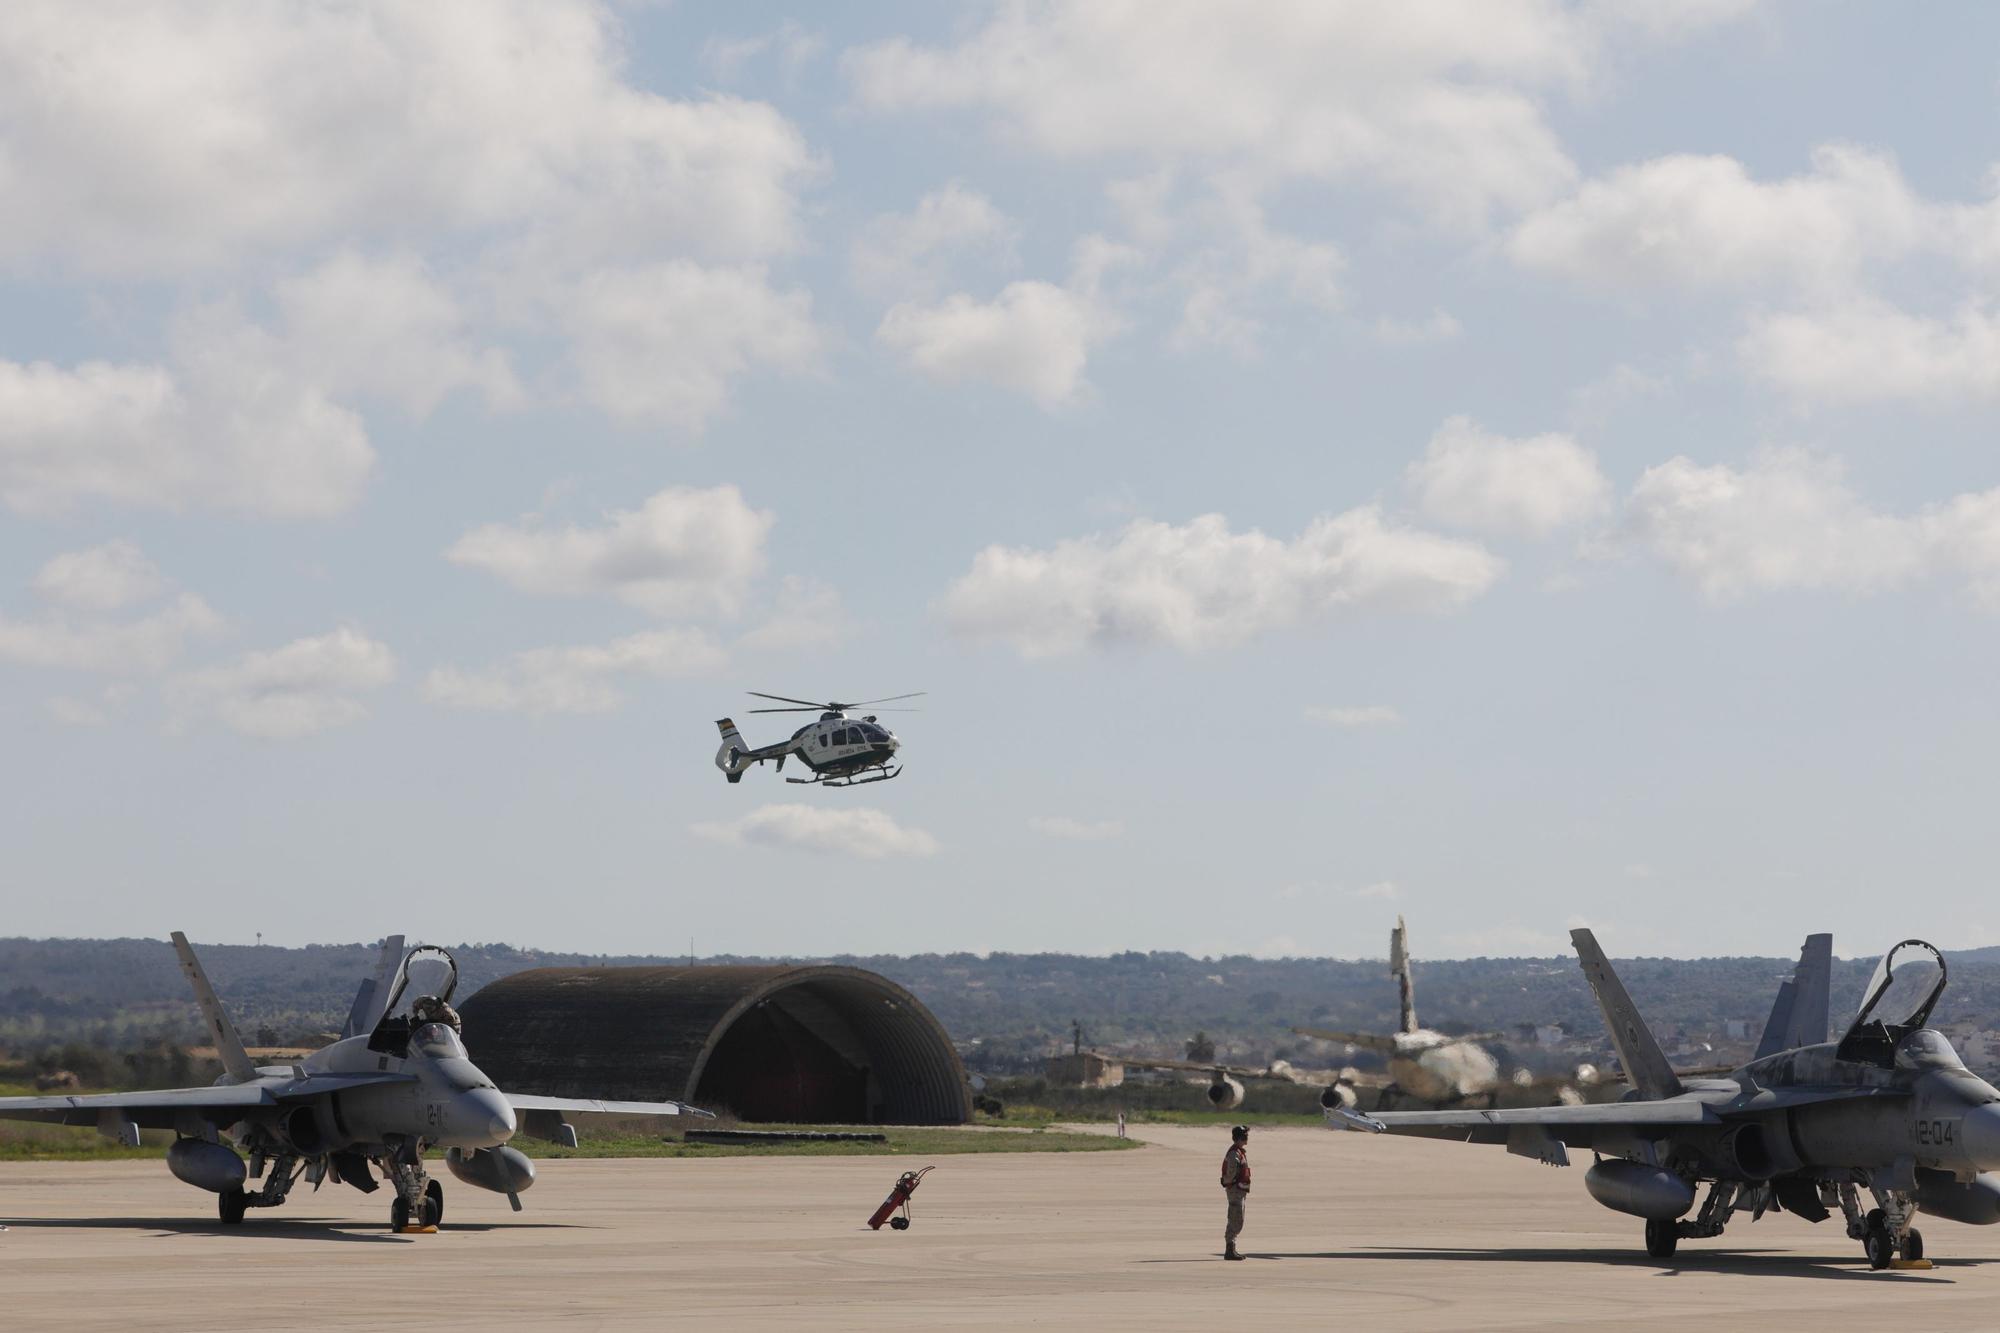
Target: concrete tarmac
x=1344, y=1229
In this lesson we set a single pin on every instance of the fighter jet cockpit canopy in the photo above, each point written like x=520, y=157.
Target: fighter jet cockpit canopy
x=419, y=999
x=1895, y=1007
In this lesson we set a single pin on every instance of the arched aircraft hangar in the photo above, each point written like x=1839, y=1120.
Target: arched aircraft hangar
x=804, y=1044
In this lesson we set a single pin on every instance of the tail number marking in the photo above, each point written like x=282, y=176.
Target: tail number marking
x=1937, y=1133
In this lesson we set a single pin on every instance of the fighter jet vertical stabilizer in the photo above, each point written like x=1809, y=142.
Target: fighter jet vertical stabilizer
x=228, y=1046
x=1645, y=1063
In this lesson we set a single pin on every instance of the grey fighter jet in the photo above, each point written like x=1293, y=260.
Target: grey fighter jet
x=1888, y=1109
x=397, y=1083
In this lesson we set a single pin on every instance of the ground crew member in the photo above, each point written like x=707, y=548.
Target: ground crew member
x=1236, y=1185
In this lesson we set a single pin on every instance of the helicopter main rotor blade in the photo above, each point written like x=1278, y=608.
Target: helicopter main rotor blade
x=816, y=708
x=891, y=699
x=783, y=699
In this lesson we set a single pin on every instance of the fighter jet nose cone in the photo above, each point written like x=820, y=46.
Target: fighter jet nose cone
x=488, y=1116
x=1981, y=1132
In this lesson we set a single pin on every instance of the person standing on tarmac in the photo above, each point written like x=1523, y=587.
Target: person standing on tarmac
x=1236, y=1185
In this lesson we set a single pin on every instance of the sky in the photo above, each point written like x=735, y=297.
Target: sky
x=1508, y=463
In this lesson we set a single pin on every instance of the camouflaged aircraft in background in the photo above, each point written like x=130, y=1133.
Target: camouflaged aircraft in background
x=398, y=1082
x=1888, y=1109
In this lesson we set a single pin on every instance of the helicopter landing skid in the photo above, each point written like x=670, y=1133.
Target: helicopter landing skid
x=882, y=775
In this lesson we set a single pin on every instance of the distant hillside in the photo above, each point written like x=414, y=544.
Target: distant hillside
x=1007, y=1010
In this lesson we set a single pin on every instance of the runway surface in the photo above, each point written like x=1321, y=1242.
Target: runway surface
x=1344, y=1228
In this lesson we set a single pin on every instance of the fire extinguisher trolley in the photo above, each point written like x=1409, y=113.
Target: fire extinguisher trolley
x=899, y=1197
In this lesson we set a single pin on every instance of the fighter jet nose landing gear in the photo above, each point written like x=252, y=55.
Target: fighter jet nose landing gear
x=422, y=1219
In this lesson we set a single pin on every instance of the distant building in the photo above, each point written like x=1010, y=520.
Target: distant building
x=1085, y=1069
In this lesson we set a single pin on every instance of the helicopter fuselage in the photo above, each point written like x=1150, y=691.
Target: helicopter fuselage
x=838, y=745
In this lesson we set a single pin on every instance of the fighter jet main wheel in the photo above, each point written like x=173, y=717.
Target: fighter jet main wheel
x=433, y=1209
x=399, y=1213
x=1880, y=1245
x=231, y=1204
x=1913, y=1244
x=1662, y=1238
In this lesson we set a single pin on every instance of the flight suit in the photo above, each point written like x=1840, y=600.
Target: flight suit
x=1235, y=1185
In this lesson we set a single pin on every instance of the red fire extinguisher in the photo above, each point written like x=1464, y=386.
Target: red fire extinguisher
x=899, y=1197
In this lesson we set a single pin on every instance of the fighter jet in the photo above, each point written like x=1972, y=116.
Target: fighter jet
x=1888, y=1109
x=396, y=1084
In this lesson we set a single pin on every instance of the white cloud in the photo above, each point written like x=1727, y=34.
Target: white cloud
x=581, y=679
x=806, y=613
x=1245, y=265
x=1199, y=585
x=1701, y=221
x=142, y=646
x=1438, y=102
x=792, y=45
x=1864, y=350
x=662, y=343
x=846, y=831
x=304, y=687
x=102, y=578
x=122, y=134
x=1440, y=326
x=85, y=587
x=97, y=711
x=1365, y=715
x=1381, y=891
x=909, y=254
x=387, y=328
x=1789, y=520
x=682, y=551
x=1469, y=478
x=1033, y=338
x=226, y=424
x=1076, y=830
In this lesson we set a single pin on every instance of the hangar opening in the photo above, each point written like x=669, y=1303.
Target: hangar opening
x=788, y=1044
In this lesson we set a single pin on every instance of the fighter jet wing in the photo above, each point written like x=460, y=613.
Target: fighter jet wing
x=1671, y=1112
x=162, y=1108
x=1536, y=1131
x=527, y=1101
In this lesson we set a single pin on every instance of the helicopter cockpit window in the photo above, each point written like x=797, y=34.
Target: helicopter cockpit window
x=1897, y=1001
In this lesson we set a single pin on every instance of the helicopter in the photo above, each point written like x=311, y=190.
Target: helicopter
x=838, y=749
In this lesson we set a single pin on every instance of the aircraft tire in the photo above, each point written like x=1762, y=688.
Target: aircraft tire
x=230, y=1205
x=433, y=1212
x=1881, y=1247
x=399, y=1213
x=1913, y=1244
x=1662, y=1239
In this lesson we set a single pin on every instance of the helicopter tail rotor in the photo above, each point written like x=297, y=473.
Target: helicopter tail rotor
x=732, y=758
